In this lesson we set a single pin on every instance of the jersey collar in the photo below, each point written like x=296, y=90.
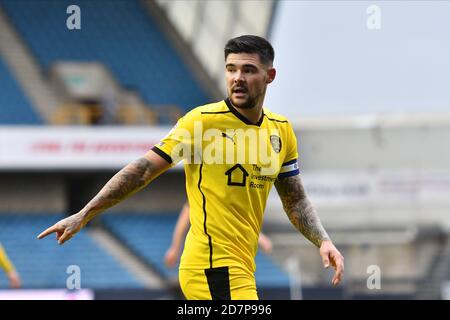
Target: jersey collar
x=241, y=117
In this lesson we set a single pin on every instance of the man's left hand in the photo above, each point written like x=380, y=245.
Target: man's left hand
x=331, y=256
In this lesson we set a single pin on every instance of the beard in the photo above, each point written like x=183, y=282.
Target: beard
x=251, y=100
x=249, y=103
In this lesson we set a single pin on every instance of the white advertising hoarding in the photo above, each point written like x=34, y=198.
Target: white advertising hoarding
x=392, y=186
x=47, y=294
x=74, y=147
x=81, y=148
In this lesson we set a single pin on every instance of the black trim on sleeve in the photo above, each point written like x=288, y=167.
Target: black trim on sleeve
x=162, y=154
x=218, y=283
x=289, y=162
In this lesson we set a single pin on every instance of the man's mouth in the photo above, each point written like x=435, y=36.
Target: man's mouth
x=239, y=90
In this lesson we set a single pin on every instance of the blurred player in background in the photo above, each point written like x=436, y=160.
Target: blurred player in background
x=10, y=270
x=179, y=233
x=227, y=199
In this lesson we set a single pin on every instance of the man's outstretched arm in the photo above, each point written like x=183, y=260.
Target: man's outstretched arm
x=132, y=178
x=305, y=219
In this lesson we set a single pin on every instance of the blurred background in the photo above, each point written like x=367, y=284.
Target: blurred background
x=87, y=86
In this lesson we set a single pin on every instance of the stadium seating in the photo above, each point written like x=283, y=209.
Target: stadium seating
x=43, y=263
x=149, y=236
x=14, y=106
x=268, y=274
x=118, y=33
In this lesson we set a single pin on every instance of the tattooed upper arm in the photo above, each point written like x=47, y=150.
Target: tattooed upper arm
x=299, y=209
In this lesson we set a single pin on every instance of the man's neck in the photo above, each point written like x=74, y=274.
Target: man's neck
x=252, y=114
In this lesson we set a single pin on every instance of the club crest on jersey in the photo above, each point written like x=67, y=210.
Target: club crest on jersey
x=275, y=141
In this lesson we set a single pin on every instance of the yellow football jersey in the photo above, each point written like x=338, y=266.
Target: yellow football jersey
x=230, y=165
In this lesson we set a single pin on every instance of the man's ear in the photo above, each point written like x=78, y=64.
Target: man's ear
x=271, y=73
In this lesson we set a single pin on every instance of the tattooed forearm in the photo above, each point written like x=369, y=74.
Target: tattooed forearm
x=300, y=210
x=126, y=182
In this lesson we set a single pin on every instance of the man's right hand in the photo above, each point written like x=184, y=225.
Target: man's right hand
x=14, y=279
x=171, y=257
x=65, y=229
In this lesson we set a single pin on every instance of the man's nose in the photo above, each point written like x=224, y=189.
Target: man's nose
x=239, y=76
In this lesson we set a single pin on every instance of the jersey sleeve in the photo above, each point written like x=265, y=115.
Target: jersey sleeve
x=290, y=164
x=179, y=143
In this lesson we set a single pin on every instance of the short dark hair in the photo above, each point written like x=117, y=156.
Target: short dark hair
x=251, y=44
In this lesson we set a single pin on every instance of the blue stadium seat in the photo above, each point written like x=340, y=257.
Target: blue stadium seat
x=43, y=263
x=149, y=236
x=14, y=106
x=268, y=274
x=118, y=33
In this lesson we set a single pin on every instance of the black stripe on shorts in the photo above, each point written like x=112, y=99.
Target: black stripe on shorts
x=218, y=283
